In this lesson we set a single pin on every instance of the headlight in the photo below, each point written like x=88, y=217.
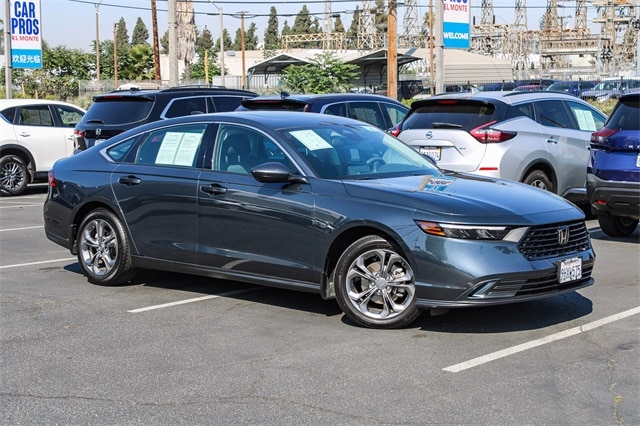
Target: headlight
x=473, y=232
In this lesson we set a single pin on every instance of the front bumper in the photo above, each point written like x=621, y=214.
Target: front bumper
x=617, y=198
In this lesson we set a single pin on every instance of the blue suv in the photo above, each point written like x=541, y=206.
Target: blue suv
x=613, y=173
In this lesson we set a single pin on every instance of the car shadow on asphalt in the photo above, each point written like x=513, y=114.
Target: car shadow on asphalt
x=473, y=320
x=509, y=318
x=598, y=234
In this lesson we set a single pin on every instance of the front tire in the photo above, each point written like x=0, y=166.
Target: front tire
x=375, y=285
x=103, y=249
x=616, y=226
x=539, y=179
x=13, y=175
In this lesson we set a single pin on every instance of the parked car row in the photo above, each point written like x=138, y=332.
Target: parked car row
x=541, y=139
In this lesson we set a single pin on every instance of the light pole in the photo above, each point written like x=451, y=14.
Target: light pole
x=221, y=44
x=98, y=41
x=115, y=55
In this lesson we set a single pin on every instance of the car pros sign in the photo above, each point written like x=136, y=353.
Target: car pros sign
x=455, y=24
x=26, y=34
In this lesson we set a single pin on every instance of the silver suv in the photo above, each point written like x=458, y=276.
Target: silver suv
x=539, y=138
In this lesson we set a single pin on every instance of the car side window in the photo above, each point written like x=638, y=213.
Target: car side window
x=336, y=109
x=226, y=103
x=552, y=114
x=395, y=113
x=172, y=146
x=238, y=149
x=8, y=114
x=35, y=115
x=186, y=106
x=69, y=116
x=585, y=117
x=369, y=112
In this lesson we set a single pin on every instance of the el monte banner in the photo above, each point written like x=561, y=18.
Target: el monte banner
x=456, y=24
x=26, y=35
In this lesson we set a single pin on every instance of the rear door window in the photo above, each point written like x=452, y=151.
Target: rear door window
x=186, y=106
x=553, y=114
x=369, y=112
x=586, y=118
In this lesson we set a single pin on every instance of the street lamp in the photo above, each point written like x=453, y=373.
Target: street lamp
x=221, y=43
x=97, y=5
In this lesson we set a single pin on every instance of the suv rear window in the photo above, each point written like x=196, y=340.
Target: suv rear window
x=625, y=116
x=129, y=110
x=450, y=113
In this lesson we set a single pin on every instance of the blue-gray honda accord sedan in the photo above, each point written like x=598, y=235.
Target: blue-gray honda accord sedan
x=316, y=203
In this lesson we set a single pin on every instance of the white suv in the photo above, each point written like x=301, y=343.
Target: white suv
x=34, y=134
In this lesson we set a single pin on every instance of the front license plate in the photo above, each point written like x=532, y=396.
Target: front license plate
x=570, y=270
x=431, y=151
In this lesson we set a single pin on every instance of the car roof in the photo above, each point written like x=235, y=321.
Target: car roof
x=507, y=97
x=262, y=119
x=328, y=97
x=181, y=90
x=6, y=103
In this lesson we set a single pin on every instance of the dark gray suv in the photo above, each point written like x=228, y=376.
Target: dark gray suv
x=377, y=110
x=113, y=113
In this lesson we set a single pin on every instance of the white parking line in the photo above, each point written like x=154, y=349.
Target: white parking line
x=539, y=342
x=195, y=299
x=17, y=265
x=22, y=229
x=20, y=206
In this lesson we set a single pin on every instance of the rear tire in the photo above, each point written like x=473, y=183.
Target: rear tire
x=375, y=286
x=539, y=179
x=13, y=175
x=103, y=249
x=617, y=226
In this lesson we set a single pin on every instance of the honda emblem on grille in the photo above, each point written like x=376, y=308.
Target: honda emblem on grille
x=98, y=131
x=563, y=235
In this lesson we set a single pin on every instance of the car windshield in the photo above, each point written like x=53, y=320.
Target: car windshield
x=119, y=110
x=607, y=85
x=356, y=152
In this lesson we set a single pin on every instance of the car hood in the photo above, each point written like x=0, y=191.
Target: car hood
x=464, y=198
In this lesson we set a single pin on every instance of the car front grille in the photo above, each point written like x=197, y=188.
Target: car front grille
x=539, y=285
x=546, y=241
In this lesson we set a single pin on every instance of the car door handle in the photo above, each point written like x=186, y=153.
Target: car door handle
x=25, y=134
x=214, y=188
x=129, y=180
x=552, y=140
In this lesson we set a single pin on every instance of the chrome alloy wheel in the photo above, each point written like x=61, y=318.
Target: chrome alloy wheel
x=99, y=247
x=380, y=284
x=12, y=176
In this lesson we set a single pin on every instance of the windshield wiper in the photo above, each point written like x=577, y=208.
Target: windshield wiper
x=445, y=126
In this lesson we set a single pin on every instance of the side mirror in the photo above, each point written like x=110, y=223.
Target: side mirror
x=275, y=173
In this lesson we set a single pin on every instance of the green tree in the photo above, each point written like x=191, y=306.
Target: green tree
x=352, y=34
x=140, y=33
x=122, y=37
x=286, y=30
x=325, y=74
x=206, y=52
x=164, y=43
x=137, y=64
x=302, y=25
x=250, y=37
x=271, y=38
x=338, y=26
x=204, y=40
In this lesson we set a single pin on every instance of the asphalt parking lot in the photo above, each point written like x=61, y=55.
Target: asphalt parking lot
x=178, y=349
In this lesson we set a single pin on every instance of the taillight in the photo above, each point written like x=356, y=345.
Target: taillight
x=602, y=136
x=77, y=134
x=395, y=130
x=52, y=179
x=486, y=134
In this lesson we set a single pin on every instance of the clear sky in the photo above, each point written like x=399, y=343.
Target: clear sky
x=73, y=22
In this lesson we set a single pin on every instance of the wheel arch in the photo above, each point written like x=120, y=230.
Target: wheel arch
x=82, y=212
x=344, y=240
x=22, y=153
x=545, y=167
